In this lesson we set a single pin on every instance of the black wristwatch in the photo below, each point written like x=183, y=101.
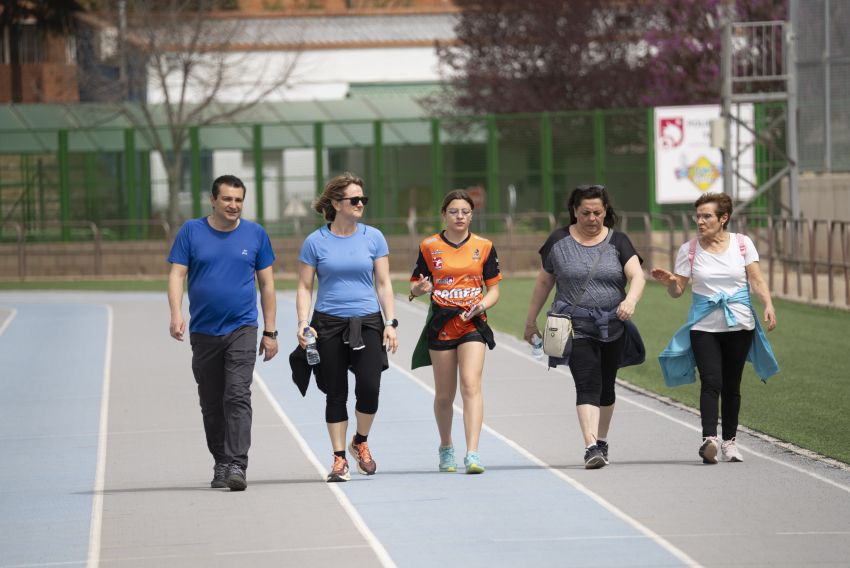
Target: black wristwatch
x=392, y=322
x=272, y=334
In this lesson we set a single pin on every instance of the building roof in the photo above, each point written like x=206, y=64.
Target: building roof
x=32, y=128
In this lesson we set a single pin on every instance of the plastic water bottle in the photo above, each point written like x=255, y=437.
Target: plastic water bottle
x=312, y=353
x=536, y=347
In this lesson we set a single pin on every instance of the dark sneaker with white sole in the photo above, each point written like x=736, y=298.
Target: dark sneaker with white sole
x=603, y=447
x=593, y=458
x=236, y=478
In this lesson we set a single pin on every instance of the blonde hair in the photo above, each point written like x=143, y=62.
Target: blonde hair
x=334, y=191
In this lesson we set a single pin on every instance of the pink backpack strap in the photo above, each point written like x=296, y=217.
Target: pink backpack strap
x=692, y=251
x=742, y=245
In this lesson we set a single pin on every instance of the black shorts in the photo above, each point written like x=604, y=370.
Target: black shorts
x=449, y=344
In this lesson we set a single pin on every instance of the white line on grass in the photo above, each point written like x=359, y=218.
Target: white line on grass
x=9, y=319
x=96, y=524
x=610, y=507
x=348, y=507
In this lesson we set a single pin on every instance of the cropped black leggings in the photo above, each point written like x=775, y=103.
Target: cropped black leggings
x=720, y=360
x=594, y=365
x=366, y=364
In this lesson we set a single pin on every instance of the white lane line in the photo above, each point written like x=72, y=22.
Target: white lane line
x=815, y=533
x=341, y=497
x=687, y=425
x=749, y=450
x=12, y=313
x=43, y=564
x=302, y=549
x=96, y=524
x=610, y=507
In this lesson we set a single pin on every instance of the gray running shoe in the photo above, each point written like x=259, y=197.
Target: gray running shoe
x=603, y=447
x=236, y=478
x=219, y=480
x=220, y=471
x=593, y=458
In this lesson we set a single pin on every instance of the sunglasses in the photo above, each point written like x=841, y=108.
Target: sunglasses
x=355, y=201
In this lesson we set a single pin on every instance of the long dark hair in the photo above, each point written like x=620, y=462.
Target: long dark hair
x=583, y=192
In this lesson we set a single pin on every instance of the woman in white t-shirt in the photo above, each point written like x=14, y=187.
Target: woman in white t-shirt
x=720, y=265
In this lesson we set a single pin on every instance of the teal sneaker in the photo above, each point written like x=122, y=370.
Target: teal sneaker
x=447, y=459
x=472, y=461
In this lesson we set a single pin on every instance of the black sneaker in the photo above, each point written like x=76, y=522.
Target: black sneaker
x=236, y=478
x=603, y=447
x=219, y=480
x=593, y=458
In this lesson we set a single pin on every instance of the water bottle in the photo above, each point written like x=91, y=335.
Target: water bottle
x=312, y=353
x=536, y=347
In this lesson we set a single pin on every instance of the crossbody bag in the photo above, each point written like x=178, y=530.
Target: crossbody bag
x=558, y=336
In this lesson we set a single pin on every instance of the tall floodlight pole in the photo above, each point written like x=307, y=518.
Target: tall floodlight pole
x=122, y=47
x=791, y=121
x=726, y=112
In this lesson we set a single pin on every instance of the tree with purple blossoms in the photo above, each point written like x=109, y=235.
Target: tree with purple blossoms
x=552, y=55
x=683, y=66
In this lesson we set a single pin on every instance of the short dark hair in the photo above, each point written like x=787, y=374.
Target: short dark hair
x=582, y=192
x=722, y=201
x=228, y=180
x=334, y=191
x=457, y=194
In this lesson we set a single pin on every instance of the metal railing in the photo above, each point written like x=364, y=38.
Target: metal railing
x=804, y=259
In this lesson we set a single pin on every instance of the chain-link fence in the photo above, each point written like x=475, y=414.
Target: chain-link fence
x=822, y=29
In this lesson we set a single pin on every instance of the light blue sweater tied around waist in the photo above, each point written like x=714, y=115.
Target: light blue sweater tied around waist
x=677, y=360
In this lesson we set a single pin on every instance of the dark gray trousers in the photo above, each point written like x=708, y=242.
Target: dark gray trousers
x=224, y=368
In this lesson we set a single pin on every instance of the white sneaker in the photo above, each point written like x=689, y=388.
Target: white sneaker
x=708, y=449
x=730, y=451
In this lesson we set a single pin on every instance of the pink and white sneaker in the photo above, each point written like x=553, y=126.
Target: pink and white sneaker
x=708, y=449
x=730, y=451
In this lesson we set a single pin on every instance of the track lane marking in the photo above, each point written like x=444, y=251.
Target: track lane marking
x=381, y=552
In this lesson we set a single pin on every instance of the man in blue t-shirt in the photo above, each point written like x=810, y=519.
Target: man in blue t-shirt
x=221, y=253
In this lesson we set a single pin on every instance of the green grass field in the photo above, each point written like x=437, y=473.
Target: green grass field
x=807, y=403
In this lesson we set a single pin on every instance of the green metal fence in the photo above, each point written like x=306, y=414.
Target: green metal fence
x=521, y=163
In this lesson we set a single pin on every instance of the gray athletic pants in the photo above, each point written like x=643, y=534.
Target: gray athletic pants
x=224, y=367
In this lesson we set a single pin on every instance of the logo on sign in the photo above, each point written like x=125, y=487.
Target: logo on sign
x=702, y=173
x=671, y=131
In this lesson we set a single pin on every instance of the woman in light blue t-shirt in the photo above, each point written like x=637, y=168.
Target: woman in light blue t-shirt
x=354, y=316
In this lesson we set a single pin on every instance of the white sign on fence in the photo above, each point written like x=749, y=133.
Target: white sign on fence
x=686, y=164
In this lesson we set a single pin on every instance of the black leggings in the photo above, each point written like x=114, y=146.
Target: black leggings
x=594, y=365
x=366, y=364
x=720, y=360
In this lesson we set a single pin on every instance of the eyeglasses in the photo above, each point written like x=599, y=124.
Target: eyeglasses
x=456, y=212
x=357, y=200
x=702, y=216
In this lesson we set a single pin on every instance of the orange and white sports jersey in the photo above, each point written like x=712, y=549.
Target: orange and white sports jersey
x=458, y=273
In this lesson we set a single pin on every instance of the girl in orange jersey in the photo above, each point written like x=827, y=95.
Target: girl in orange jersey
x=455, y=266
